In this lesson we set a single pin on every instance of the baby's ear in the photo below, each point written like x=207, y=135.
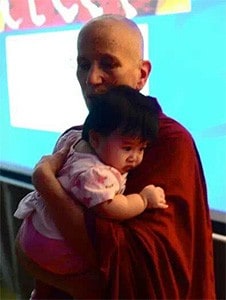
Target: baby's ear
x=94, y=138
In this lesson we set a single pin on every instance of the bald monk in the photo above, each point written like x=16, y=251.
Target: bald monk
x=155, y=255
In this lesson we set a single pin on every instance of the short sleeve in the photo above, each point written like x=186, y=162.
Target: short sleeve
x=96, y=185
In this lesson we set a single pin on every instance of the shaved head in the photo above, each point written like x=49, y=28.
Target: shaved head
x=124, y=32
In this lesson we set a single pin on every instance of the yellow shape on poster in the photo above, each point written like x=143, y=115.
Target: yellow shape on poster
x=2, y=22
x=173, y=6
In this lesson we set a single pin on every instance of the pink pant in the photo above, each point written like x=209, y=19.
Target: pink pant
x=50, y=254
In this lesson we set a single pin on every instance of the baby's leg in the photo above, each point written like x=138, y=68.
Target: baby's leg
x=82, y=286
x=50, y=254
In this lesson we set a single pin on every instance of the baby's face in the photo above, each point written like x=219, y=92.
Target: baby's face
x=121, y=152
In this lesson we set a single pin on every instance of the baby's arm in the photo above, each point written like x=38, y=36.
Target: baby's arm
x=123, y=207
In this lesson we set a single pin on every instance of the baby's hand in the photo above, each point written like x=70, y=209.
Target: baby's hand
x=154, y=196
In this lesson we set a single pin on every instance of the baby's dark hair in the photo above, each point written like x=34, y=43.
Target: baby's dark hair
x=124, y=109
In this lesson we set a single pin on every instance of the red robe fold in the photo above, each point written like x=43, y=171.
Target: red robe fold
x=162, y=254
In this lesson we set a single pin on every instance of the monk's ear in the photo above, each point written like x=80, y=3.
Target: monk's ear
x=94, y=138
x=145, y=70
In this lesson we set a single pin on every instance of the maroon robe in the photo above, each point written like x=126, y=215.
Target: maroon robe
x=162, y=254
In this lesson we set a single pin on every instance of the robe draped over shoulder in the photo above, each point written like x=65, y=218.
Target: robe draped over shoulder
x=161, y=254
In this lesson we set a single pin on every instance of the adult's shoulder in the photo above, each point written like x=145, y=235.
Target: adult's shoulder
x=73, y=128
x=68, y=137
x=170, y=128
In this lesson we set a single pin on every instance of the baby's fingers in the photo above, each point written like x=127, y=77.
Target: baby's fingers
x=163, y=205
x=160, y=192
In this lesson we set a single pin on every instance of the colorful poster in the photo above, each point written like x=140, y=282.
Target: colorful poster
x=30, y=14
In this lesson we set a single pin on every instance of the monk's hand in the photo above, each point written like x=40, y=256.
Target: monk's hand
x=54, y=161
x=49, y=164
